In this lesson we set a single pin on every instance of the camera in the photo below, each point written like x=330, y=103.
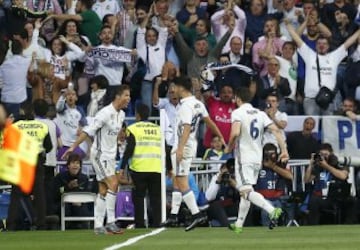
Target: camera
x=268, y=106
x=318, y=157
x=270, y=152
x=229, y=173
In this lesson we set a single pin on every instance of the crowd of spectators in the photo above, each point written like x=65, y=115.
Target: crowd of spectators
x=74, y=54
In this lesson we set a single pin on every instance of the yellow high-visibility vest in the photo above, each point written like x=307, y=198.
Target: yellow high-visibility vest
x=147, y=152
x=36, y=129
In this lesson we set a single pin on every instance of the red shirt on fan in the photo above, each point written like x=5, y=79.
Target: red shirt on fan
x=220, y=113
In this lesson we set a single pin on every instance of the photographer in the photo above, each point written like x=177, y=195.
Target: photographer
x=324, y=171
x=273, y=180
x=222, y=195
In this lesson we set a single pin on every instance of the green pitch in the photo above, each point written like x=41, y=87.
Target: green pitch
x=255, y=238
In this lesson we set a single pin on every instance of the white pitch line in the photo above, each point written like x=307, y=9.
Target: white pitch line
x=135, y=239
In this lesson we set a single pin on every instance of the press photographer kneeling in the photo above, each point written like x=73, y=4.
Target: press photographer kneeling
x=273, y=180
x=330, y=190
x=222, y=195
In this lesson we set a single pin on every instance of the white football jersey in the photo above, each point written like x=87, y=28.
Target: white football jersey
x=105, y=128
x=190, y=111
x=253, y=123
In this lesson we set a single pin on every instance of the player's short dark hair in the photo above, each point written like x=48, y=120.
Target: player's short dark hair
x=183, y=81
x=41, y=107
x=27, y=111
x=143, y=111
x=273, y=94
x=121, y=89
x=87, y=3
x=243, y=94
x=16, y=47
x=73, y=157
x=100, y=80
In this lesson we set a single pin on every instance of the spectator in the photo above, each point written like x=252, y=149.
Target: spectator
x=70, y=29
x=255, y=16
x=288, y=70
x=140, y=14
x=324, y=170
x=90, y=23
x=104, y=7
x=61, y=55
x=45, y=85
x=126, y=19
x=214, y=152
x=49, y=6
x=151, y=45
x=202, y=29
x=348, y=109
x=328, y=61
x=314, y=28
x=220, y=110
x=193, y=60
x=290, y=12
x=280, y=119
x=169, y=104
x=328, y=12
x=71, y=180
x=98, y=85
x=70, y=119
x=301, y=144
x=273, y=83
x=221, y=20
x=13, y=72
x=274, y=178
x=111, y=67
x=17, y=15
x=222, y=195
x=145, y=165
x=33, y=30
x=190, y=13
x=270, y=45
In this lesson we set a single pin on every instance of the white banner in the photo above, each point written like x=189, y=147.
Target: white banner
x=114, y=54
x=296, y=123
x=342, y=133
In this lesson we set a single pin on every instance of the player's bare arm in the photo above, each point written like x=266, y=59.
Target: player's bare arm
x=284, y=156
x=182, y=141
x=235, y=132
x=82, y=137
x=214, y=129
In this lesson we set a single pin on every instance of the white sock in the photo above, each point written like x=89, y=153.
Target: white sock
x=189, y=199
x=176, y=199
x=244, y=207
x=100, y=209
x=259, y=200
x=110, y=206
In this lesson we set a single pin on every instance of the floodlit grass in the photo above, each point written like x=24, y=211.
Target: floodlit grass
x=254, y=238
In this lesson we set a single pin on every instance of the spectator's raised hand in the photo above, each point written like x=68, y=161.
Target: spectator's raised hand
x=193, y=19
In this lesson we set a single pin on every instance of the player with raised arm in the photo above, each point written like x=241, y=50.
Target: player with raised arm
x=247, y=130
x=104, y=129
x=188, y=117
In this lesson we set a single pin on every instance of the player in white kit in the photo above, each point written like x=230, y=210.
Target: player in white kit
x=188, y=116
x=247, y=130
x=105, y=128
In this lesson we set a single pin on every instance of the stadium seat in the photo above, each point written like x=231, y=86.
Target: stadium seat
x=131, y=218
x=76, y=197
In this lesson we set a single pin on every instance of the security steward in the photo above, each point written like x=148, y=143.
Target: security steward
x=34, y=205
x=144, y=149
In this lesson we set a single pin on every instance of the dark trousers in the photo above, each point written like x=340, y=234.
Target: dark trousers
x=217, y=211
x=147, y=182
x=20, y=200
